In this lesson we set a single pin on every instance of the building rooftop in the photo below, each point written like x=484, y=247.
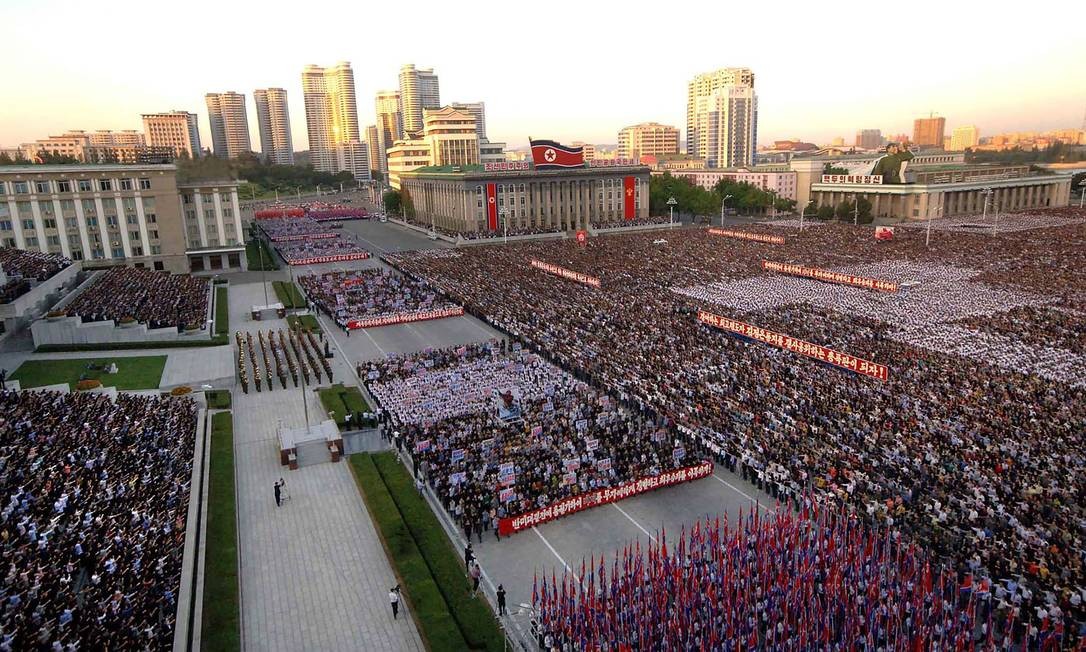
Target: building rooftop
x=86, y=167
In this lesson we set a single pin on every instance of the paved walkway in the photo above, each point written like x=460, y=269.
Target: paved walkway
x=314, y=575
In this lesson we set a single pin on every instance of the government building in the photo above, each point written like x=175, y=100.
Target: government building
x=138, y=215
x=459, y=198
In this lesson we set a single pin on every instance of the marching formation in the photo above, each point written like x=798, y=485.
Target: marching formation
x=279, y=354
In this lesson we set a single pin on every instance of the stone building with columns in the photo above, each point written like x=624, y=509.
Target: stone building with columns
x=139, y=215
x=456, y=198
x=950, y=191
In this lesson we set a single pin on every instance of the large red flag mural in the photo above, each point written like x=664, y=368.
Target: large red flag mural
x=491, y=207
x=552, y=155
x=628, y=209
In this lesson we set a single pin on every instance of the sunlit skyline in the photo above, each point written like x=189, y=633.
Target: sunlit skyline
x=576, y=71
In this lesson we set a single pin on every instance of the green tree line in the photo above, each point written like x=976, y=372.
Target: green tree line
x=744, y=197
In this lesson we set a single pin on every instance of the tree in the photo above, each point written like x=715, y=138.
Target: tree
x=377, y=175
x=830, y=168
x=392, y=201
x=825, y=212
x=784, y=205
x=810, y=210
x=844, y=211
x=1077, y=180
x=864, y=207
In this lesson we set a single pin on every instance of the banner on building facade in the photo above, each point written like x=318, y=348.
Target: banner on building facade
x=743, y=235
x=830, y=276
x=492, y=206
x=565, y=273
x=552, y=155
x=404, y=318
x=603, y=496
x=629, y=185
x=795, y=345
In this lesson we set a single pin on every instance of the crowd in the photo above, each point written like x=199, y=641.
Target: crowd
x=158, y=299
x=370, y=293
x=997, y=221
x=500, y=432
x=637, y=221
x=803, y=581
x=319, y=211
x=979, y=463
x=1038, y=326
x=22, y=268
x=342, y=246
x=279, y=229
x=510, y=232
x=94, y=496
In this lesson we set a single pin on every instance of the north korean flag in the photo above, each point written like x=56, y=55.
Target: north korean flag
x=550, y=155
x=628, y=211
x=492, y=207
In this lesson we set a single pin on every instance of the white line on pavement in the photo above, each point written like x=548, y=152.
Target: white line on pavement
x=647, y=533
x=555, y=552
x=743, y=493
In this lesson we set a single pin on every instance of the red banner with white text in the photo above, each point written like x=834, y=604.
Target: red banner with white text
x=404, y=318
x=565, y=273
x=318, y=260
x=591, y=499
x=743, y=235
x=795, y=345
x=830, y=276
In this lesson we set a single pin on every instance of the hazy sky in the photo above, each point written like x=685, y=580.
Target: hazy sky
x=564, y=70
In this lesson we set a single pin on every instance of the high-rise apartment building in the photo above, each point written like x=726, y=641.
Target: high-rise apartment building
x=478, y=111
x=418, y=91
x=648, y=139
x=722, y=117
x=389, y=126
x=273, y=121
x=869, y=138
x=176, y=129
x=964, y=137
x=928, y=132
x=331, y=118
x=229, y=124
x=373, y=147
x=449, y=137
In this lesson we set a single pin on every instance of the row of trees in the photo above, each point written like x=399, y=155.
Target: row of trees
x=1054, y=153
x=263, y=178
x=743, y=197
x=847, y=211
x=43, y=156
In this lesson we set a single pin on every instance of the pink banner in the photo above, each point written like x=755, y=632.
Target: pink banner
x=338, y=258
x=404, y=318
x=565, y=273
x=811, y=350
x=830, y=277
x=743, y=235
x=603, y=496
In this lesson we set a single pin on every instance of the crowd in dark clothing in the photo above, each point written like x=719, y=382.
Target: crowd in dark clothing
x=980, y=464
x=94, y=495
x=370, y=293
x=24, y=268
x=158, y=299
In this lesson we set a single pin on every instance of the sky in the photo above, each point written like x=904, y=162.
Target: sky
x=562, y=70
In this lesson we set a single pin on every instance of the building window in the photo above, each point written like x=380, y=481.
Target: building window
x=118, y=252
x=105, y=184
x=132, y=219
x=21, y=188
x=28, y=225
x=111, y=220
x=77, y=254
x=1, y=187
x=145, y=184
x=158, y=265
x=126, y=184
x=50, y=223
x=133, y=235
x=64, y=186
x=92, y=220
x=84, y=185
x=5, y=225
x=41, y=187
x=153, y=234
x=31, y=241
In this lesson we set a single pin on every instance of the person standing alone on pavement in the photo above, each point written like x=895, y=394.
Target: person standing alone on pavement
x=476, y=573
x=469, y=556
x=278, y=494
x=501, y=600
x=394, y=600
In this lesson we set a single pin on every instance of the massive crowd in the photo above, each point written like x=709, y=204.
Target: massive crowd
x=342, y=246
x=466, y=412
x=371, y=293
x=94, y=496
x=23, y=268
x=157, y=299
x=280, y=229
x=978, y=462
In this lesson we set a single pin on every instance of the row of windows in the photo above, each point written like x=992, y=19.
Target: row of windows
x=49, y=186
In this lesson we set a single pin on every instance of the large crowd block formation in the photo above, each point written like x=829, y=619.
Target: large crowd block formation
x=373, y=295
x=94, y=496
x=25, y=268
x=498, y=432
x=971, y=448
x=158, y=299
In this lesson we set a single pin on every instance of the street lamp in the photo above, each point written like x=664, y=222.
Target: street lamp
x=801, y=214
x=855, y=209
x=722, y=202
x=1081, y=192
x=505, y=225
x=987, y=192
x=927, y=238
x=671, y=206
